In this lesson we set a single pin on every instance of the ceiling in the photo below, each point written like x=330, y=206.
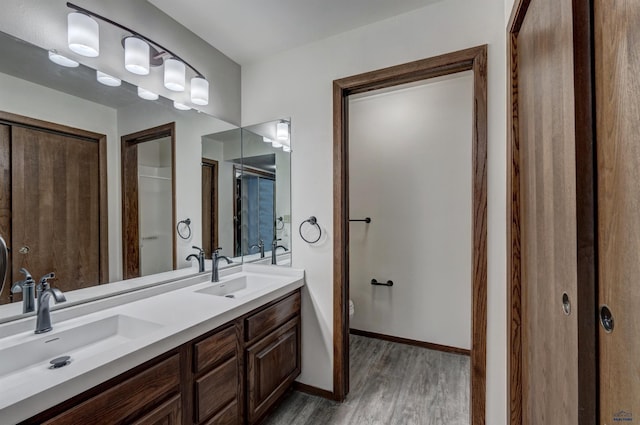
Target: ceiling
x=250, y=30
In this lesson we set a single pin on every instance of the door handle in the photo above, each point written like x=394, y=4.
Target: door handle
x=606, y=319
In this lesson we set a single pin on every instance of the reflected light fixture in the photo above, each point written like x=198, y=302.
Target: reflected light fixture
x=147, y=94
x=199, y=90
x=107, y=79
x=266, y=139
x=276, y=144
x=282, y=131
x=83, y=34
x=286, y=148
x=136, y=55
x=56, y=57
x=174, y=74
x=180, y=106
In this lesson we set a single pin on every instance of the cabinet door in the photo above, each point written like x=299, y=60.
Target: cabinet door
x=169, y=413
x=272, y=365
x=618, y=124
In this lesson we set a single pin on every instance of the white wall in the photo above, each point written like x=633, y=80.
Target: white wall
x=18, y=97
x=410, y=171
x=298, y=84
x=508, y=6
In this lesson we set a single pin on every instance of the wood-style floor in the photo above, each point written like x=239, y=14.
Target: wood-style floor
x=391, y=384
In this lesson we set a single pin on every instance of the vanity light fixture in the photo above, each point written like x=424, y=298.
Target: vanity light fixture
x=107, y=79
x=180, y=106
x=286, y=148
x=199, y=91
x=147, y=94
x=56, y=57
x=282, y=131
x=141, y=53
x=266, y=139
x=276, y=144
x=83, y=34
x=136, y=55
x=174, y=74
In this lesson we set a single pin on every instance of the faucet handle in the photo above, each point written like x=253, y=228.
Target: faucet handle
x=17, y=287
x=200, y=250
x=44, y=280
x=27, y=275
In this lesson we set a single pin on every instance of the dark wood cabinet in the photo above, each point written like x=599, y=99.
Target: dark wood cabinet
x=230, y=376
x=272, y=365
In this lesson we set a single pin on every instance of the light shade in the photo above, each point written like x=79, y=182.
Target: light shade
x=282, y=131
x=56, y=57
x=286, y=148
x=180, y=106
x=83, y=34
x=174, y=74
x=199, y=91
x=147, y=94
x=107, y=79
x=266, y=139
x=276, y=144
x=136, y=55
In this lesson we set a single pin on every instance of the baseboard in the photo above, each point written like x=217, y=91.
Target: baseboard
x=309, y=389
x=429, y=345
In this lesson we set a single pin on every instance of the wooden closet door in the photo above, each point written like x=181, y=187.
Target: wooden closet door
x=546, y=113
x=617, y=47
x=55, y=207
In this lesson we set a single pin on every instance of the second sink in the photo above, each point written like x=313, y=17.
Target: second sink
x=239, y=287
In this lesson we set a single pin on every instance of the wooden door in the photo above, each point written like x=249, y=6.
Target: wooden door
x=55, y=186
x=617, y=44
x=5, y=204
x=553, y=362
x=209, y=206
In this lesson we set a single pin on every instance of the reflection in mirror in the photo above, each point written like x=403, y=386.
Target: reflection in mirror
x=220, y=153
x=265, y=190
x=60, y=143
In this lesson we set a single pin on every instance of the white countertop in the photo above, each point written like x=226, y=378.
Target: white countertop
x=180, y=313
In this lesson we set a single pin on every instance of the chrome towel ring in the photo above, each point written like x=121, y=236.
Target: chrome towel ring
x=314, y=222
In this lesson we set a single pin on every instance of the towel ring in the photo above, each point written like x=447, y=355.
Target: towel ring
x=314, y=222
x=187, y=224
x=279, y=222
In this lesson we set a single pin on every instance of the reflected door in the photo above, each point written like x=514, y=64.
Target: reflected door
x=55, y=208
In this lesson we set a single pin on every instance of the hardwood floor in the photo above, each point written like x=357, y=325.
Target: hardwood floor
x=391, y=384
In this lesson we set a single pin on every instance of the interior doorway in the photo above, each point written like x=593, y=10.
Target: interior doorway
x=473, y=60
x=148, y=201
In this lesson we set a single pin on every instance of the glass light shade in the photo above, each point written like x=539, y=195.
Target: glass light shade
x=276, y=144
x=107, y=79
x=199, y=91
x=83, y=34
x=180, y=106
x=286, y=148
x=266, y=139
x=147, y=94
x=282, y=131
x=56, y=57
x=174, y=74
x=136, y=56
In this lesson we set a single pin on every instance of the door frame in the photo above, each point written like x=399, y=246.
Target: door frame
x=473, y=59
x=586, y=243
x=130, y=211
x=212, y=239
x=12, y=119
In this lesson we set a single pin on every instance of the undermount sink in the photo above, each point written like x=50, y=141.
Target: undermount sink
x=80, y=341
x=239, y=287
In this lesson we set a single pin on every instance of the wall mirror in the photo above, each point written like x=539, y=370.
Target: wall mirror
x=61, y=175
x=256, y=175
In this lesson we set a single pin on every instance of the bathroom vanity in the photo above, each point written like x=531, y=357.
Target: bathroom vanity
x=204, y=353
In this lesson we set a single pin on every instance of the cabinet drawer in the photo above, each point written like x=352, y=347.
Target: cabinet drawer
x=216, y=389
x=126, y=399
x=227, y=416
x=169, y=413
x=271, y=317
x=214, y=348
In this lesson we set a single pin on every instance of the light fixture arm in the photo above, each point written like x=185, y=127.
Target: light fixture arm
x=135, y=33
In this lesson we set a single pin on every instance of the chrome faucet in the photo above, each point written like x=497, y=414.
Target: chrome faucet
x=217, y=257
x=274, y=247
x=45, y=291
x=199, y=257
x=260, y=246
x=27, y=287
